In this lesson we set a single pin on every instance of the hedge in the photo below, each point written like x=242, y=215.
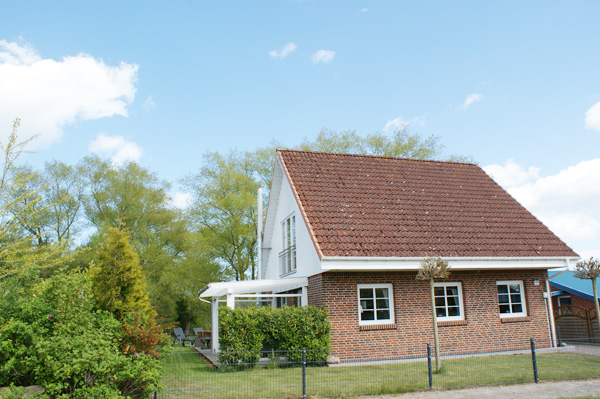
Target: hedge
x=243, y=331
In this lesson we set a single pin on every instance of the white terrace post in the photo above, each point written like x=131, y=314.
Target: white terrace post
x=214, y=308
x=304, y=297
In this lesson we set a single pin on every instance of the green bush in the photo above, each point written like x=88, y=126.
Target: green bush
x=243, y=331
x=54, y=337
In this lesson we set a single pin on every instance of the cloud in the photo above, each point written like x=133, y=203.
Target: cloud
x=149, y=104
x=592, y=117
x=397, y=124
x=284, y=52
x=48, y=94
x=120, y=150
x=472, y=99
x=567, y=202
x=323, y=56
x=181, y=200
x=364, y=10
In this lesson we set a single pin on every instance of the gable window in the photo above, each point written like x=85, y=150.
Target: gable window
x=375, y=304
x=564, y=300
x=287, y=257
x=448, y=301
x=511, y=298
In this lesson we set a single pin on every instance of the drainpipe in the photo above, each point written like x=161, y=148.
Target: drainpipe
x=548, y=295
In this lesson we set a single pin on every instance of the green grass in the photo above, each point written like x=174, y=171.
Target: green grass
x=186, y=375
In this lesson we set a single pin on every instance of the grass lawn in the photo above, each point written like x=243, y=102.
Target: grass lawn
x=186, y=375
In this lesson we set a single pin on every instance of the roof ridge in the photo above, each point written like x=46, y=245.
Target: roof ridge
x=375, y=156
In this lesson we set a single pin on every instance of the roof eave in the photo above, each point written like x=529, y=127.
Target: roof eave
x=363, y=263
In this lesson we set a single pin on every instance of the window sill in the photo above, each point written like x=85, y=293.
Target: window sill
x=452, y=323
x=515, y=319
x=370, y=327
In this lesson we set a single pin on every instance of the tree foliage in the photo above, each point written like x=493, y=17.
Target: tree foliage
x=224, y=211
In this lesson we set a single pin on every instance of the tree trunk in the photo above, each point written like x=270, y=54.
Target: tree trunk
x=595, y=289
x=438, y=361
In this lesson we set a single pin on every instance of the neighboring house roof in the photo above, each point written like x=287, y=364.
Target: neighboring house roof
x=573, y=285
x=367, y=206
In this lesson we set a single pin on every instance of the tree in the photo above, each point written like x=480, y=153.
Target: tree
x=590, y=270
x=133, y=198
x=118, y=282
x=17, y=253
x=431, y=269
x=224, y=211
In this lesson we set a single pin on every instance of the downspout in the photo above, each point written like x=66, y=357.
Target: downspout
x=549, y=299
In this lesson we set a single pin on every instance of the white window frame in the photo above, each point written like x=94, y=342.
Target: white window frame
x=461, y=309
x=390, y=300
x=521, y=292
x=287, y=256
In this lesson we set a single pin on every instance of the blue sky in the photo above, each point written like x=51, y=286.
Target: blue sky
x=515, y=85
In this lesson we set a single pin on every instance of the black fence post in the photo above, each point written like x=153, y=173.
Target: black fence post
x=155, y=394
x=558, y=336
x=534, y=360
x=304, y=372
x=429, y=366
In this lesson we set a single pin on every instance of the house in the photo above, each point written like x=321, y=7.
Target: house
x=348, y=232
x=573, y=304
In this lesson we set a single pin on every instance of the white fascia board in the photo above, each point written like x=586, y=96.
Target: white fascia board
x=356, y=263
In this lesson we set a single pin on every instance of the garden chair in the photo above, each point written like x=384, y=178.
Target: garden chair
x=179, y=335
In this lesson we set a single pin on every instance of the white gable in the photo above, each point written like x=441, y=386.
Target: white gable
x=282, y=204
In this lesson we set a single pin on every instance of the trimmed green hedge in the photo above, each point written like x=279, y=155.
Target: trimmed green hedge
x=242, y=333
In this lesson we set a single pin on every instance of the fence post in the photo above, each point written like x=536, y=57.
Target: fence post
x=534, y=360
x=155, y=394
x=429, y=366
x=304, y=372
x=558, y=336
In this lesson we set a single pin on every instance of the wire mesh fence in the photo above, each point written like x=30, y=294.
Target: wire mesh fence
x=294, y=374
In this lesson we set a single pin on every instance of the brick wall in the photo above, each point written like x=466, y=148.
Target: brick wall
x=482, y=330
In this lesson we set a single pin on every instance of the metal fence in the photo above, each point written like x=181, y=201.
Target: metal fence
x=297, y=374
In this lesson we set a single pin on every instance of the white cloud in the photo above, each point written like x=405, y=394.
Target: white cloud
x=566, y=202
x=592, y=117
x=364, y=10
x=284, y=52
x=120, y=150
x=48, y=94
x=323, y=56
x=181, y=200
x=397, y=124
x=149, y=104
x=472, y=99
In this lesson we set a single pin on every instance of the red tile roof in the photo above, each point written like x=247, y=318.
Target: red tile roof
x=358, y=205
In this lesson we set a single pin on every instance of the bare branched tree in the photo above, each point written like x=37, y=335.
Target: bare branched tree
x=590, y=270
x=431, y=269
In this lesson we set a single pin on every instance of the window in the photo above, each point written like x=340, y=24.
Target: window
x=564, y=301
x=375, y=304
x=287, y=257
x=511, y=299
x=448, y=301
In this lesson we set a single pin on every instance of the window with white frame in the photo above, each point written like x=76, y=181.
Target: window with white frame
x=375, y=304
x=287, y=257
x=448, y=301
x=564, y=300
x=511, y=298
